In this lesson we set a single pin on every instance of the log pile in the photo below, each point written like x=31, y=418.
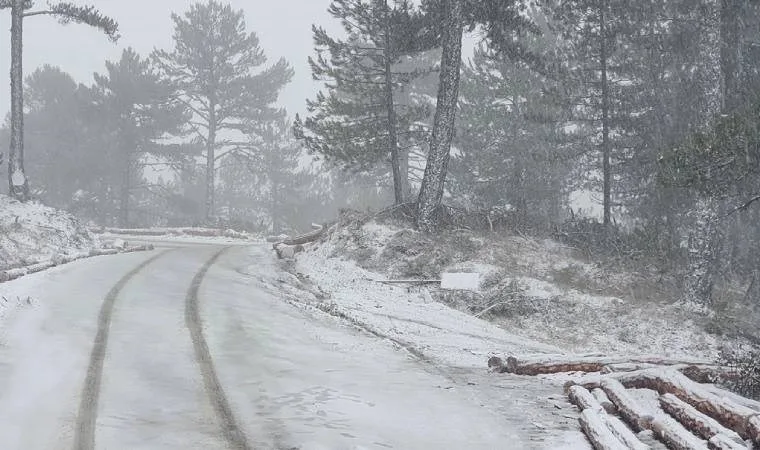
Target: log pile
x=690, y=415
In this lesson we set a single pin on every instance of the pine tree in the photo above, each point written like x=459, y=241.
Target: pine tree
x=510, y=152
x=364, y=82
x=215, y=68
x=20, y=9
x=141, y=110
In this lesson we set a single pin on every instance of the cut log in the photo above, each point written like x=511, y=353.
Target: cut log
x=285, y=251
x=709, y=374
x=518, y=367
x=570, y=363
x=583, y=399
x=630, y=410
x=626, y=367
x=598, y=433
x=700, y=424
x=674, y=435
x=723, y=442
x=603, y=400
x=742, y=419
x=305, y=238
x=624, y=434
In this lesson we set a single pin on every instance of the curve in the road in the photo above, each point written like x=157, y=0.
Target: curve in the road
x=84, y=435
x=230, y=429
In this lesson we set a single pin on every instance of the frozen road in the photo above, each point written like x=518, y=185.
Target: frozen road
x=182, y=348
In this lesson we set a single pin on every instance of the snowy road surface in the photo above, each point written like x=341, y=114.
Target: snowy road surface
x=181, y=348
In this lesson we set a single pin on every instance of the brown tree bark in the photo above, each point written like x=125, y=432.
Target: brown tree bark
x=434, y=179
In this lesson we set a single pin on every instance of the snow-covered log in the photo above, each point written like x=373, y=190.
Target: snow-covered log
x=598, y=433
x=560, y=363
x=39, y=267
x=700, y=424
x=603, y=400
x=723, y=442
x=674, y=435
x=306, y=237
x=103, y=251
x=138, y=248
x=629, y=409
x=667, y=430
x=285, y=251
x=742, y=419
x=583, y=399
x=587, y=402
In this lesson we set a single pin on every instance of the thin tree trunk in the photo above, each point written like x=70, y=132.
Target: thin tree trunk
x=274, y=207
x=398, y=189
x=703, y=248
x=210, y=163
x=125, y=191
x=404, y=165
x=18, y=184
x=433, y=181
x=607, y=197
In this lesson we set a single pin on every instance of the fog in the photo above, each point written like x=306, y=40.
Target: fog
x=284, y=28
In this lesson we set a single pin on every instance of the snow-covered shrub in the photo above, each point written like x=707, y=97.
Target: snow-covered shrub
x=747, y=363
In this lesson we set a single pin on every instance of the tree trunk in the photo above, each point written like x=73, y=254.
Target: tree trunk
x=436, y=167
x=607, y=197
x=703, y=248
x=210, y=161
x=125, y=190
x=404, y=165
x=398, y=189
x=18, y=184
x=274, y=210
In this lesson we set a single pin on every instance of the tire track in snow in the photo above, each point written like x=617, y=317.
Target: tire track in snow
x=230, y=429
x=84, y=434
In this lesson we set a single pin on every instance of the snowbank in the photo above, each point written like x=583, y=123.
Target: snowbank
x=537, y=289
x=31, y=233
x=179, y=232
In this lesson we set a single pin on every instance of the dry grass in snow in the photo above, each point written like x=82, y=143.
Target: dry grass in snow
x=31, y=233
x=539, y=290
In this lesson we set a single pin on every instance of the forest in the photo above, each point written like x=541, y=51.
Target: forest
x=628, y=129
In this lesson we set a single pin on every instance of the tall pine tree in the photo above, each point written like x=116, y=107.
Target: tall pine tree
x=216, y=68
x=359, y=121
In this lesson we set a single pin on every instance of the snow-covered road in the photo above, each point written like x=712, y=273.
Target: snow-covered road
x=174, y=349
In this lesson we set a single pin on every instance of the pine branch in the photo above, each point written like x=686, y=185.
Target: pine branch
x=88, y=15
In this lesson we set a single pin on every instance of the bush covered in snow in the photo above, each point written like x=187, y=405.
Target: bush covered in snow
x=539, y=288
x=747, y=363
x=31, y=233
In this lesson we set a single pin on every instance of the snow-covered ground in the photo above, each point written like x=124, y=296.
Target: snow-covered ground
x=295, y=375
x=536, y=289
x=31, y=233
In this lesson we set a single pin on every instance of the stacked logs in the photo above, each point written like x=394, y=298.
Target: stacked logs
x=691, y=416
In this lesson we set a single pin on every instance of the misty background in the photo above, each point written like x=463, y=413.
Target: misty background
x=283, y=27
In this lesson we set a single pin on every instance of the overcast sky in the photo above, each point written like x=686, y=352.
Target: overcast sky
x=283, y=27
